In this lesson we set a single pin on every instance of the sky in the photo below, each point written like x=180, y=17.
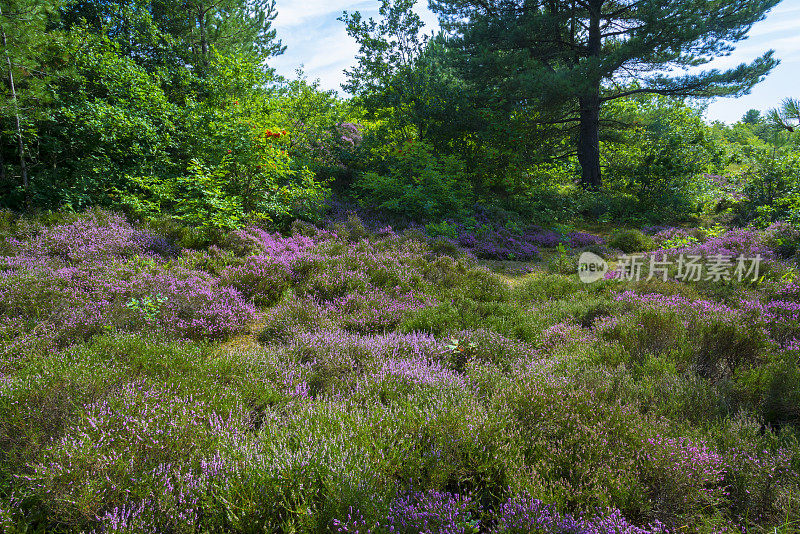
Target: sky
x=318, y=42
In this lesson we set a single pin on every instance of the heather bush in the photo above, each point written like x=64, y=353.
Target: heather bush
x=258, y=278
x=560, y=419
x=774, y=389
x=78, y=303
x=97, y=235
x=585, y=240
x=654, y=332
x=396, y=386
x=550, y=286
x=212, y=260
x=562, y=262
x=682, y=475
x=523, y=514
x=464, y=314
x=291, y=317
x=723, y=348
x=443, y=246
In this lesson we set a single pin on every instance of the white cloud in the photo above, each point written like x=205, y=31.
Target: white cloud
x=292, y=13
x=318, y=41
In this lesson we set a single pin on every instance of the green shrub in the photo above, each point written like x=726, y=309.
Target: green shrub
x=654, y=332
x=541, y=287
x=629, y=241
x=723, y=348
x=419, y=184
x=465, y=314
x=774, y=390
x=290, y=317
x=563, y=262
x=442, y=229
x=443, y=246
x=352, y=229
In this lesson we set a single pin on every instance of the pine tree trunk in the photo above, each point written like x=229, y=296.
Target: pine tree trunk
x=589, y=137
x=589, y=142
x=20, y=143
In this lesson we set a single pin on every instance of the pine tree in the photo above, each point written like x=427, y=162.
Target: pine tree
x=569, y=57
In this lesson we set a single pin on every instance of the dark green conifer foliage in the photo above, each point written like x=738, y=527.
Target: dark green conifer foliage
x=569, y=57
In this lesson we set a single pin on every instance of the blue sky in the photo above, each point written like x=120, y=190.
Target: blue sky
x=318, y=42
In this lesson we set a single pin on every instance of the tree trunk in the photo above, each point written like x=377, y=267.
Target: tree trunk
x=20, y=143
x=589, y=138
x=589, y=142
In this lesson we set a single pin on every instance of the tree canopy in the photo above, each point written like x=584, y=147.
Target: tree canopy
x=570, y=57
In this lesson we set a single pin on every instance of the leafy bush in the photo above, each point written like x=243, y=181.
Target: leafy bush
x=417, y=183
x=629, y=241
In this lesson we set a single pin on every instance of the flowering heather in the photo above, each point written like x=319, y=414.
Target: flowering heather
x=563, y=334
x=142, y=432
x=99, y=273
x=254, y=240
x=686, y=470
x=656, y=229
x=394, y=385
x=374, y=311
x=583, y=239
x=503, y=244
x=703, y=308
x=95, y=236
x=431, y=512
x=338, y=344
x=674, y=238
x=778, y=319
x=509, y=248
x=81, y=301
x=262, y=279
x=525, y=515
x=436, y=512
x=418, y=372
x=734, y=243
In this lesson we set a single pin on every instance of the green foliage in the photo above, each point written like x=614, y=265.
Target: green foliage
x=659, y=160
x=441, y=229
x=562, y=262
x=772, y=190
x=565, y=61
x=630, y=240
x=148, y=306
x=173, y=120
x=386, y=78
x=774, y=389
x=418, y=183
